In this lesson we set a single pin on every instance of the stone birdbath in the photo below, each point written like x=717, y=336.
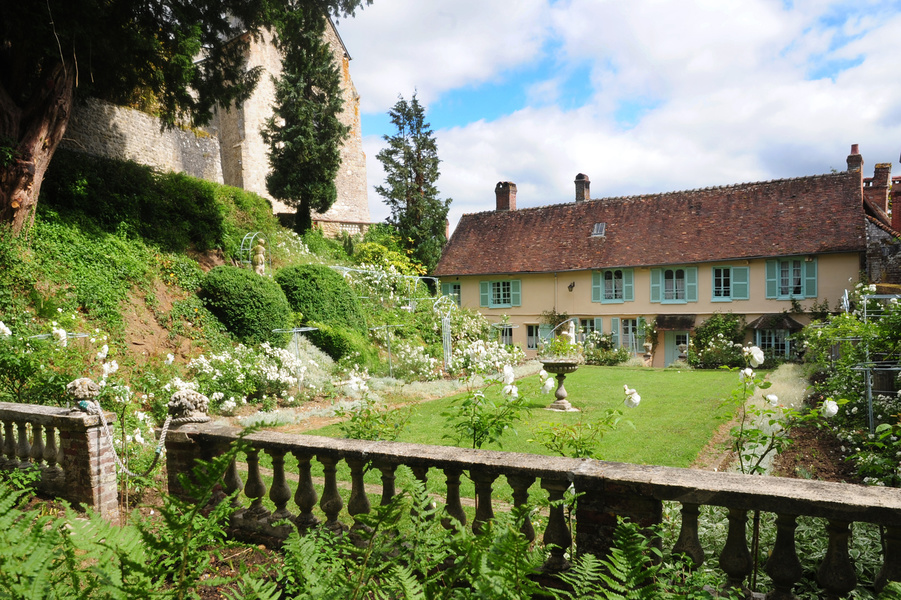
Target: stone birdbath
x=560, y=367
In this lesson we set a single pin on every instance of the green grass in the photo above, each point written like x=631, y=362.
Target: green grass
x=679, y=412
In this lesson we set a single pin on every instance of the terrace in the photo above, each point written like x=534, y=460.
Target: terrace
x=77, y=463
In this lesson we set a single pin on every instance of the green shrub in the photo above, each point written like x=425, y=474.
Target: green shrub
x=171, y=210
x=323, y=246
x=321, y=294
x=248, y=305
x=339, y=342
x=714, y=342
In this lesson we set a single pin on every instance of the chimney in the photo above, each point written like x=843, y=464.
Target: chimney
x=582, y=185
x=879, y=188
x=505, y=191
x=896, y=206
x=855, y=160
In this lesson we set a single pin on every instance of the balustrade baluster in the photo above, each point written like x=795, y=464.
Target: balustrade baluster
x=735, y=559
x=388, y=490
x=305, y=497
x=23, y=448
x=836, y=573
x=484, y=511
x=232, y=482
x=783, y=565
x=557, y=535
x=422, y=474
x=255, y=489
x=454, y=508
x=279, y=493
x=9, y=445
x=37, y=446
x=891, y=562
x=358, y=503
x=53, y=473
x=520, y=485
x=331, y=503
x=688, y=543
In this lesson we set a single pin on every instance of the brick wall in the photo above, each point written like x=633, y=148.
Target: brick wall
x=883, y=255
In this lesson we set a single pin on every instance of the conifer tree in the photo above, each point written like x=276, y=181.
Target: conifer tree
x=411, y=171
x=304, y=133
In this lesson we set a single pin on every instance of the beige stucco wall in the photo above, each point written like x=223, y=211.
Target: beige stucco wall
x=546, y=291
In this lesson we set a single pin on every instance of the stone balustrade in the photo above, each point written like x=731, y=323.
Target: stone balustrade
x=607, y=490
x=74, y=458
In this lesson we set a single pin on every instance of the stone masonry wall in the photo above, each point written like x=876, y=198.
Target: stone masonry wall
x=103, y=129
x=883, y=255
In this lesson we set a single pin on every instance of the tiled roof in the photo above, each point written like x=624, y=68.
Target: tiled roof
x=805, y=215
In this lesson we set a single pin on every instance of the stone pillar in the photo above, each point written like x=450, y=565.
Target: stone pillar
x=181, y=453
x=89, y=465
x=598, y=507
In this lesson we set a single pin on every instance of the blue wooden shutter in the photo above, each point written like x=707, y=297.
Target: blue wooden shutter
x=484, y=293
x=446, y=289
x=628, y=285
x=810, y=279
x=656, y=278
x=691, y=284
x=641, y=334
x=516, y=292
x=772, y=279
x=599, y=324
x=741, y=283
x=544, y=332
x=596, y=286
x=614, y=331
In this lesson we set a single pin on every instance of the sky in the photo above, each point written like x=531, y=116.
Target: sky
x=643, y=96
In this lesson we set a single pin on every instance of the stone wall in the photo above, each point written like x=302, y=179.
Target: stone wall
x=232, y=150
x=103, y=129
x=883, y=255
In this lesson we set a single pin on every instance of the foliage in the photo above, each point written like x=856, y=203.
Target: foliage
x=630, y=572
x=304, y=133
x=248, y=305
x=321, y=294
x=171, y=210
x=560, y=347
x=411, y=172
x=479, y=419
x=368, y=419
x=480, y=357
x=371, y=253
x=327, y=249
x=579, y=439
x=717, y=342
x=599, y=349
x=342, y=343
x=553, y=319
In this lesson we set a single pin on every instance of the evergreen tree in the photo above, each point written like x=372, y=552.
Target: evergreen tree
x=411, y=166
x=304, y=133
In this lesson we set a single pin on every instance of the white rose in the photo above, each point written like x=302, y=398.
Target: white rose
x=773, y=399
x=830, y=408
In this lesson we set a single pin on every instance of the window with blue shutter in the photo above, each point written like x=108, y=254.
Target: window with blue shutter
x=452, y=290
x=612, y=286
x=791, y=278
x=500, y=294
x=656, y=284
x=484, y=293
x=614, y=331
x=730, y=283
x=674, y=286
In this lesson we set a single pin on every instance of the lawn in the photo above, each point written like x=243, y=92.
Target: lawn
x=678, y=414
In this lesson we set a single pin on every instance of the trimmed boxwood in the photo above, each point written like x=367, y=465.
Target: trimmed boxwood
x=248, y=305
x=320, y=294
x=339, y=342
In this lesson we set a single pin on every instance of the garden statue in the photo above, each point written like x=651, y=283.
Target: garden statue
x=258, y=260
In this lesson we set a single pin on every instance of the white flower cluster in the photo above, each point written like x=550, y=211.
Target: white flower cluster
x=481, y=357
x=289, y=243
x=4, y=330
x=547, y=383
x=754, y=355
x=633, y=399
x=508, y=379
x=413, y=363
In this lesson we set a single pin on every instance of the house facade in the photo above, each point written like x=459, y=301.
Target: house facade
x=769, y=251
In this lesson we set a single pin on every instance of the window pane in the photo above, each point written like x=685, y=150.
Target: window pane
x=531, y=337
x=722, y=282
x=500, y=293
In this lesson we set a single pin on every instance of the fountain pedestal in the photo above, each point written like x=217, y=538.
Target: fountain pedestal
x=561, y=368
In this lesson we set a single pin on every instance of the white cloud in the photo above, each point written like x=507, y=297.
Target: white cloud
x=725, y=89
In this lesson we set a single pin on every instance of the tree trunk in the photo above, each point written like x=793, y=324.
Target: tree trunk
x=34, y=130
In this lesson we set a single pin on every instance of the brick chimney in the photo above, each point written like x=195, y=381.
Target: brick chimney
x=878, y=189
x=855, y=160
x=505, y=191
x=582, y=185
x=896, y=205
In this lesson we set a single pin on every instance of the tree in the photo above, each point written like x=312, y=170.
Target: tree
x=122, y=51
x=411, y=166
x=304, y=133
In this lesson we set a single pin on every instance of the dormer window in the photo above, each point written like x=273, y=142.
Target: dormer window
x=599, y=230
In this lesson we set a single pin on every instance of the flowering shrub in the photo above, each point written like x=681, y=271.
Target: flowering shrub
x=480, y=357
x=479, y=419
x=412, y=363
x=600, y=350
x=241, y=374
x=718, y=342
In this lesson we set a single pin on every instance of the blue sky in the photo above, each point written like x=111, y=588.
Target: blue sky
x=641, y=95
